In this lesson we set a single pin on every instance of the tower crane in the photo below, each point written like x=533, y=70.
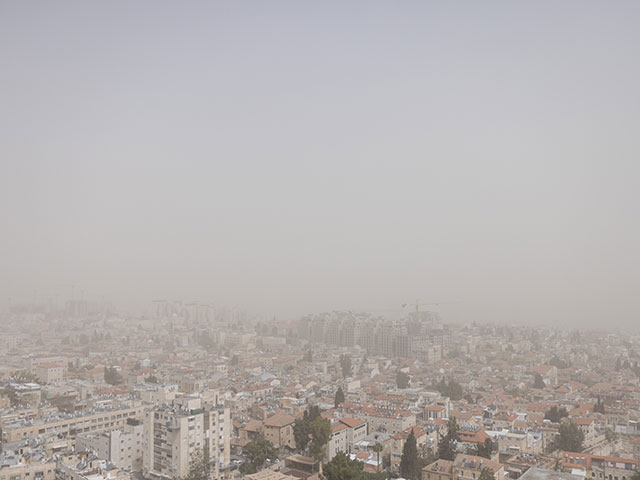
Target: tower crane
x=419, y=304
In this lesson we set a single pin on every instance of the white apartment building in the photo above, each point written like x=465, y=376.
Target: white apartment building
x=175, y=436
x=123, y=447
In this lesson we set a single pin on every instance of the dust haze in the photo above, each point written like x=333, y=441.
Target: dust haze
x=291, y=158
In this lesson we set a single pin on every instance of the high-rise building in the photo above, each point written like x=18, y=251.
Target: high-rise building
x=177, y=436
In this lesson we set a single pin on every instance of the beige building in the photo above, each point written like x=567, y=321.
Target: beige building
x=469, y=467
x=513, y=443
x=33, y=363
x=121, y=447
x=357, y=430
x=390, y=421
x=464, y=467
x=83, y=467
x=338, y=442
x=278, y=429
x=50, y=372
x=268, y=474
x=174, y=437
x=598, y=467
x=438, y=470
x=192, y=385
x=29, y=471
x=29, y=394
x=69, y=425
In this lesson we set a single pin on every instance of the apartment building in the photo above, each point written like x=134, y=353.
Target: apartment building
x=390, y=420
x=598, y=467
x=174, y=437
x=33, y=363
x=69, y=425
x=338, y=442
x=192, y=384
x=50, y=372
x=33, y=470
x=86, y=466
x=357, y=430
x=122, y=447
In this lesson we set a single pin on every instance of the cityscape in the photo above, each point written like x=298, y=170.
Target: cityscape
x=108, y=396
x=319, y=240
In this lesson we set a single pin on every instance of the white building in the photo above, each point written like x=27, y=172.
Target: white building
x=176, y=436
x=122, y=448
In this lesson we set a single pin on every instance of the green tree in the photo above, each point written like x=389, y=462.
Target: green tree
x=538, y=382
x=112, y=376
x=556, y=414
x=447, y=445
x=636, y=475
x=151, y=379
x=363, y=363
x=302, y=427
x=10, y=392
x=409, y=466
x=257, y=452
x=426, y=456
x=485, y=449
x=301, y=432
x=451, y=389
x=558, y=362
x=377, y=448
x=341, y=467
x=569, y=438
x=599, y=406
x=402, y=379
x=339, y=398
x=320, y=430
x=345, y=365
x=610, y=435
x=486, y=474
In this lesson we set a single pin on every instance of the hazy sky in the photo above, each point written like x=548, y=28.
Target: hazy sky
x=294, y=157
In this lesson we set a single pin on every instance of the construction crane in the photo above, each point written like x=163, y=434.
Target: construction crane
x=418, y=304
